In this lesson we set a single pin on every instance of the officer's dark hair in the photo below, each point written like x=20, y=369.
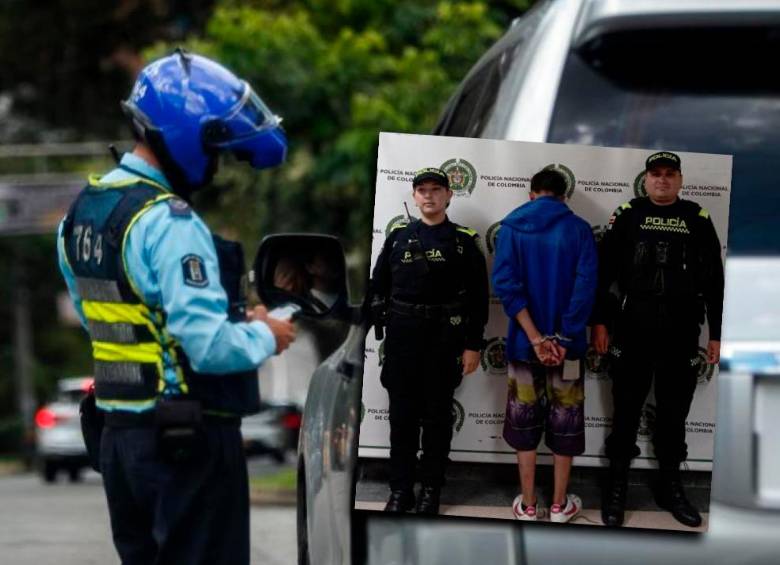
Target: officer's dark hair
x=549, y=180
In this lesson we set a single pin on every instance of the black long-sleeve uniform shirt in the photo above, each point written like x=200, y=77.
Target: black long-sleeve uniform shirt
x=453, y=271
x=661, y=253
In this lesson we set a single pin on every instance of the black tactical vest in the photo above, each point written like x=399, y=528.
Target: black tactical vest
x=131, y=345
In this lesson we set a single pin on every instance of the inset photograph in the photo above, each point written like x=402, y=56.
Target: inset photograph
x=545, y=332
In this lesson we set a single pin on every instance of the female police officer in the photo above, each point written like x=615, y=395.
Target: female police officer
x=429, y=286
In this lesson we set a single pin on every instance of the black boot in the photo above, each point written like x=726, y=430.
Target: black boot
x=428, y=503
x=671, y=497
x=613, y=504
x=400, y=501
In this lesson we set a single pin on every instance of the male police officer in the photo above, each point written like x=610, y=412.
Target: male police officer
x=175, y=362
x=431, y=281
x=665, y=256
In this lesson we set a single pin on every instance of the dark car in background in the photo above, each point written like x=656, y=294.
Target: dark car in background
x=679, y=75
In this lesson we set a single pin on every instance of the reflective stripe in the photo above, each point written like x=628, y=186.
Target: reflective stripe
x=98, y=290
x=112, y=312
x=467, y=231
x=128, y=405
x=139, y=352
x=95, y=182
x=118, y=373
x=119, y=332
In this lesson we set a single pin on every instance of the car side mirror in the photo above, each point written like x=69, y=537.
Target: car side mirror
x=308, y=270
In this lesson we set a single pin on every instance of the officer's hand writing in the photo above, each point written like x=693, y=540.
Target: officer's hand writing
x=258, y=313
x=470, y=361
x=284, y=332
x=713, y=352
x=599, y=337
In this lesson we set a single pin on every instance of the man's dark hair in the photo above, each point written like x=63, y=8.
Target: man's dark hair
x=549, y=180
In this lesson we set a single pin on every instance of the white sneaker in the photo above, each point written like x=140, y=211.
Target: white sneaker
x=530, y=514
x=563, y=515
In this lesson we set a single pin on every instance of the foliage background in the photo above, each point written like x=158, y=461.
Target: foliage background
x=337, y=71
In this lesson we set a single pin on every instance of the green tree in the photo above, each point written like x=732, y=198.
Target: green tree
x=338, y=72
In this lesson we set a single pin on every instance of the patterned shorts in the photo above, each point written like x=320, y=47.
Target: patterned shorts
x=538, y=401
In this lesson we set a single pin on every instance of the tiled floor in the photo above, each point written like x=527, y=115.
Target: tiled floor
x=487, y=491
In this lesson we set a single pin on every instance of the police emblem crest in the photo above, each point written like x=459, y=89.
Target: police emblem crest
x=194, y=271
x=491, y=237
x=571, y=180
x=462, y=175
x=458, y=415
x=494, y=356
x=639, y=185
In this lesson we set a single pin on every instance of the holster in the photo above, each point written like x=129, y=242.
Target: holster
x=92, y=423
x=179, y=426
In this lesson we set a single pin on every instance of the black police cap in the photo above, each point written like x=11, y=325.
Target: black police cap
x=431, y=173
x=663, y=158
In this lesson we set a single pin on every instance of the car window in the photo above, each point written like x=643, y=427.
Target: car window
x=482, y=105
x=687, y=91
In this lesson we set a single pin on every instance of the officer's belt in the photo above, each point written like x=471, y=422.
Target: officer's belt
x=427, y=311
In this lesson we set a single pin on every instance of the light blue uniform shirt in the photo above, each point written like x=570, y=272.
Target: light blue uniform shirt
x=196, y=316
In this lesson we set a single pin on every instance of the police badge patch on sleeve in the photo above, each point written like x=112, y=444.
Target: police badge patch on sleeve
x=194, y=271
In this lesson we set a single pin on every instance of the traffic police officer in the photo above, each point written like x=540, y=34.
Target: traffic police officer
x=174, y=358
x=665, y=256
x=430, y=284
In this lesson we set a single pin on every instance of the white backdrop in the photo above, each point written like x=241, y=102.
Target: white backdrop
x=490, y=178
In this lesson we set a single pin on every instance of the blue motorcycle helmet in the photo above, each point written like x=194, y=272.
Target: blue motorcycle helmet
x=188, y=109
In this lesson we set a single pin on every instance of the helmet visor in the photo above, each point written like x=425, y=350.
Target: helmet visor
x=249, y=118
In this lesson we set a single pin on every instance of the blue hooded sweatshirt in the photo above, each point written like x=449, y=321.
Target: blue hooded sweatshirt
x=546, y=261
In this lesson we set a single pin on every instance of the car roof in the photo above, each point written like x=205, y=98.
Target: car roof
x=598, y=17
x=560, y=25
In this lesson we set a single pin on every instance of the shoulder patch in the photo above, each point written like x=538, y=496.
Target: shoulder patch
x=468, y=231
x=398, y=225
x=625, y=206
x=704, y=213
x=179, y=208
x=194, y=271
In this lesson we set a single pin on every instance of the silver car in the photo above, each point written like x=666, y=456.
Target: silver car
x=680, y=75
x=59, y=442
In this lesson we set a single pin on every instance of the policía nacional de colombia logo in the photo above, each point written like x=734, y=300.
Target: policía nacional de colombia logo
x=646, y=423
x=494, y=356
x=462, y=175
x=400, y=219
x=458, y=415
x=491, y=237
x=705, y=371
x=639, y=185
x=598, y=232
x=596, y=366
x=567, y=173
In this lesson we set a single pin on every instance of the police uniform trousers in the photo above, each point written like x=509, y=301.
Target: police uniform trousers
x=193, y=513
x=421, y=370
x=655, y=341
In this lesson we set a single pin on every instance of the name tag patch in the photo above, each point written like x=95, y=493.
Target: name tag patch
x=194, y=271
